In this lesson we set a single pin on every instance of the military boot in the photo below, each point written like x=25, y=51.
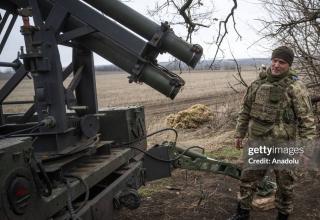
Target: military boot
x=282, y=216
x=242, y=214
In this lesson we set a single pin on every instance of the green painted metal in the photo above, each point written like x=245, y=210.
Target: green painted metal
x=194, y=160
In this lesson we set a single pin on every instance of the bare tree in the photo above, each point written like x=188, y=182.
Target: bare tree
x=296, y=23
x=194, y=15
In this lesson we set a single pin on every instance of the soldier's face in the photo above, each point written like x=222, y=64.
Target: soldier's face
x=279, y=66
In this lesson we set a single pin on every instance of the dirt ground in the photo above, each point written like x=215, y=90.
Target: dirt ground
x=199, y=195
x=195, y=195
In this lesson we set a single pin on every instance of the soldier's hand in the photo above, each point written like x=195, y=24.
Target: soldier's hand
x=238, y=143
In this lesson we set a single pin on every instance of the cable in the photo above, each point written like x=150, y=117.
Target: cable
x=32, y=128
x=45, y=192
x=166, y=129
x=86, y=189
x=153, y=133
x=156, y=158
x=71, y=209
x=69, y=201
x=47, y=122
x=166, y=161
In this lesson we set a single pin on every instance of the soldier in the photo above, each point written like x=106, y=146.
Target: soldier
x=276, y=107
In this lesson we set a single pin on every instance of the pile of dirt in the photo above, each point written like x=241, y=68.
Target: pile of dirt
x=192, y=117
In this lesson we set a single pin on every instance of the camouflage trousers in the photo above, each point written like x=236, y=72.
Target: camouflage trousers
x=285, y=183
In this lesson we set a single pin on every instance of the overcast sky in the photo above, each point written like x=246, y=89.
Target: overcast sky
x=245, y=15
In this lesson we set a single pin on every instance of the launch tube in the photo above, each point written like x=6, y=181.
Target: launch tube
x=188, y=53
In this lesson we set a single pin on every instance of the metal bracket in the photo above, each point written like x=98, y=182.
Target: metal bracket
x=137, y=69
x=149, y=52
x=76, y=79
x=36, y=13
x=152, y=48
x=56, y=18
x=67, y=71
x=70, y=98
x=78, y=32
x=25, y=12
x=158, y=36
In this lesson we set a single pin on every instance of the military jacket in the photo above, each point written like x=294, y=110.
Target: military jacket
x=279, y=109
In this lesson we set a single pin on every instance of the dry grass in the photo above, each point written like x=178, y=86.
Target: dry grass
x=213, y=135
x=113, y=89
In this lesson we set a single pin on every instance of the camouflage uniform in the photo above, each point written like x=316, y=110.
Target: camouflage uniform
x=274, y=108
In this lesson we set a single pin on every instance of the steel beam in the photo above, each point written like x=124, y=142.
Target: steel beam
x=12, y=83
x=56, y=18
x=85, y=89
x=4, y=20
x=6, y=64
x=6, y=35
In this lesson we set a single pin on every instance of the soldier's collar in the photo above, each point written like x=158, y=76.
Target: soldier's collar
x=274, y=78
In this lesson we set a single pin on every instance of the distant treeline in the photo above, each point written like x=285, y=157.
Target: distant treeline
x=227, y=64
x=6, y=73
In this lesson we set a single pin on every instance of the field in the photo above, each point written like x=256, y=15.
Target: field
x=190, y=194
x=113, y=89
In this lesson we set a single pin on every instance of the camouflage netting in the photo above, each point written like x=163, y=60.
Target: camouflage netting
x=192, y=117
